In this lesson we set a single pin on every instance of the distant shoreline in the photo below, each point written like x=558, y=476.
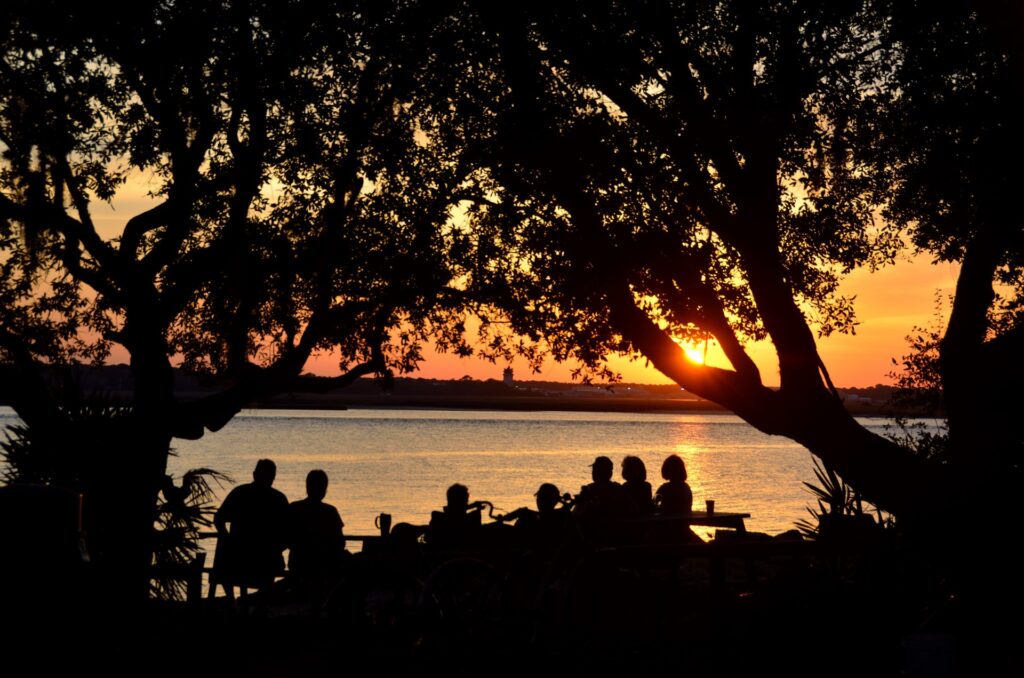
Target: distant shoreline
x=116, y=383
x=638, y=405
x=526, y=404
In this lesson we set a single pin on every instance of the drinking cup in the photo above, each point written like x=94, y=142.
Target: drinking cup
x=710, y=505
x=383, y=521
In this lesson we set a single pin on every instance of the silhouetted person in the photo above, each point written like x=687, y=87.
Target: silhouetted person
x=458, y=522
x=674, y=497
x=315, y=535
x=251, y=532
x=636, y=486
x=603, y=502
x=545, y=526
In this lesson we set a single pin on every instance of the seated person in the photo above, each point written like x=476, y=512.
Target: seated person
x=674, y=497
x=315, y=533
x=458, y=523
x=636, y=486
x=250, y=533
x=546, y=525
x=602, y=503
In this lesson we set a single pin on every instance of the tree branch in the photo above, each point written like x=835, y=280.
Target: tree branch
x=725, y=387
x=71, y=231
x=138, y=226
x=213, y=412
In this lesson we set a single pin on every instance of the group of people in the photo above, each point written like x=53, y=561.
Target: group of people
x=605, y=497
x=255, y=524
x=598, y=510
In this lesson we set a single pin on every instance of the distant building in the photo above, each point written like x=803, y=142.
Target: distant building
x=506, y=377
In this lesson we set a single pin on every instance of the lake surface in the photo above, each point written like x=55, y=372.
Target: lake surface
x=401, y=461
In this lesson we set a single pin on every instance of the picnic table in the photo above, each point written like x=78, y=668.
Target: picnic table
x=732, y=521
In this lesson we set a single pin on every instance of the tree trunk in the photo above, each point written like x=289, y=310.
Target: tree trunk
x=124, y=507
x=887, y=475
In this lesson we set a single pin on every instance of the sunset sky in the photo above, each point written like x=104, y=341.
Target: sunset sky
x=890, y=303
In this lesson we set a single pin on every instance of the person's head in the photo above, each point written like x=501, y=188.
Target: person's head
x=601, y=470
x=633, y=470
x=458, y=496
x=264, y=473
x=547, y=496
x=316, y=484
x=673, y=469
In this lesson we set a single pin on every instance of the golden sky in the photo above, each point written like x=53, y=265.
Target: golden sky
x=890, y=303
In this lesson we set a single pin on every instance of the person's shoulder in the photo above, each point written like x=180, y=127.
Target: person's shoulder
x=240, y=489
x=325, y=509
x=238, y=492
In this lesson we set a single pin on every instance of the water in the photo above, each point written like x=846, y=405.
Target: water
x=401, y=461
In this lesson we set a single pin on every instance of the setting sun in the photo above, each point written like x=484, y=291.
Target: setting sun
x=694, y=354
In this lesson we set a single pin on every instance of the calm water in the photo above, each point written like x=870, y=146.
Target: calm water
x=401, y=461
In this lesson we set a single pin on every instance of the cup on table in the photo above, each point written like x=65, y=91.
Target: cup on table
x=710, y=505
x=383, y=521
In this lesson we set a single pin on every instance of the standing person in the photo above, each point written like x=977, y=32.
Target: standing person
x=639, y=490
x=316, y=540
x=250, y=533
x=674, y=497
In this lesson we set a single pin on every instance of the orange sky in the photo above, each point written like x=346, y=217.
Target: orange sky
x=890, y=302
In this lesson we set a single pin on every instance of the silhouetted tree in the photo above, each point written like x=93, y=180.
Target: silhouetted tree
x=630, y=173
x=299, y=202
x=939, y=140
x=669, y=170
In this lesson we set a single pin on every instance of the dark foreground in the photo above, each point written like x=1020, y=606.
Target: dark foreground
x=794, y=609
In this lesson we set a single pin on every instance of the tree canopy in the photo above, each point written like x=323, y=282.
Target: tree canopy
x=300, y=201
x=604, y=176
x=939, y=137
x=300, y=196
x=676, y=170
x=665, y=171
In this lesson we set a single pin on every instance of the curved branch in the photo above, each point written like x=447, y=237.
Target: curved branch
x=139, y=225
x=73, y=233
x=715, y=321
x=213, y=412
x=731, y=389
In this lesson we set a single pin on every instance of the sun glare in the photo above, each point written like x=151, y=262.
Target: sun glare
x=694, y=355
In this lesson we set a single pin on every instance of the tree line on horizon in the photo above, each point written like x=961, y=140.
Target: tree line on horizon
x=582, y=178
x=114, y=379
